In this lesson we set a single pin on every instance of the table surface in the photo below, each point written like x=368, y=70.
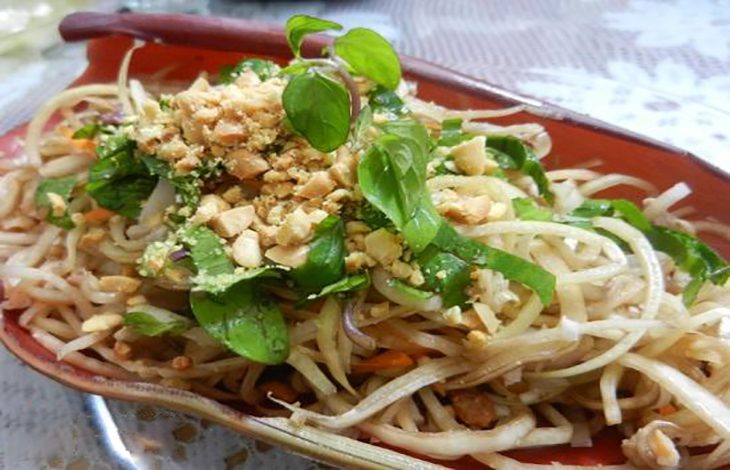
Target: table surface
x=667, y=77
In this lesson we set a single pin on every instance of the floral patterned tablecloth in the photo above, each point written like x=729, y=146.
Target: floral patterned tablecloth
x=661, y=68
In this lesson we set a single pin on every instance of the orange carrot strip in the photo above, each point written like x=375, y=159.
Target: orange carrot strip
x=386, y=360
x=98, y=215
x=85, y=145
x=666, y=410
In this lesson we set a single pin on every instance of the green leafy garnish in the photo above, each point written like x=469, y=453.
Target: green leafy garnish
x=118, y=180
x=527, y=209
x=512, y=154
x=318, y=108
x=363, y=123
x=245, y=320
x=446, y=274
x=298, y=26
x=372, y=216
x=392, y=177
x=326, y=258
x=207, y=252
x=61, y=187
x=370, y=55
x=451, y=133
x=87, y=131
x=383, y=100
x=164, y=103
x=316, y=102
x=688, y=252
x=353, y=283
x=147, y=325
x=510, y=266
x=186, y=186
x=263, y=68
x=215, y=272
x=414, y=294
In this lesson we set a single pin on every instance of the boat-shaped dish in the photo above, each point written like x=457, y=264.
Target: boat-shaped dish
x=179, y=47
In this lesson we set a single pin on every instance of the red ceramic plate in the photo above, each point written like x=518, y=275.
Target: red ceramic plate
x=186, y=45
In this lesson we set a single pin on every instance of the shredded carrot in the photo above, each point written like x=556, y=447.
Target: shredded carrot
x=84, y=145
x=666, y=410
x=98, y=215
x=386, y=360
x=279, y=390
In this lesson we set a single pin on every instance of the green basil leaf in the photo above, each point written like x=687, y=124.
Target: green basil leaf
x=118, y=180
x=299, y=26
x=512, y=267
x=206, y=250
x=512, y=154
x=363, y=123
x=296, y=68
x=527, y=209
x=326, y=259
x=414, y=294
x=370, y=55
x=383, y=100
x=265, y=69
x=318, y=108
x=446, y=274
x=687, y=251
x=88, y=131
x=372, y=216
x=354, y=283
x=147, y=325
x=451, y=133
x=245, y=320
x=392, y=177
x=632, y=214
x=63, y=187
x=593, y=208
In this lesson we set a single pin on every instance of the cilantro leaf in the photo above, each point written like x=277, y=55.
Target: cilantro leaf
x=62, y=188
x=299, y=26
x=245, y=320
x=318, y=108
x=370, y=55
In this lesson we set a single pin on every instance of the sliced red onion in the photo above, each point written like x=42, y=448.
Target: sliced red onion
x=349, y=323
x=114, y=118
x=177, y=255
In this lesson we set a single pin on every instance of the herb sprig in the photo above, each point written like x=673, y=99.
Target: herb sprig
x=322, y=100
